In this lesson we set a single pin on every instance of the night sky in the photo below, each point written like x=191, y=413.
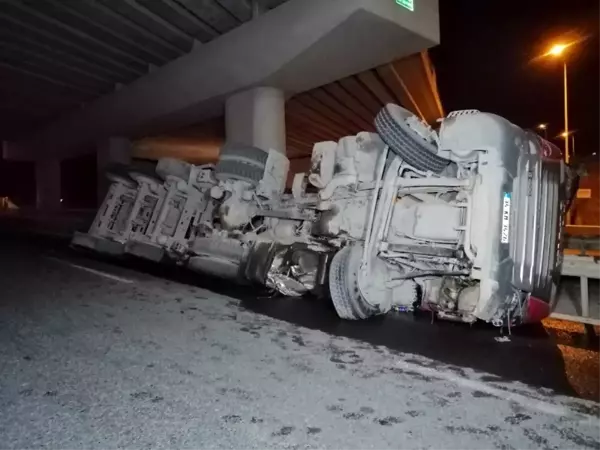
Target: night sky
x=487, y=61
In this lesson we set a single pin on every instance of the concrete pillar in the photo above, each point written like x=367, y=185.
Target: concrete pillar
x=256, y=117
x=47, y=180
x=110, y=152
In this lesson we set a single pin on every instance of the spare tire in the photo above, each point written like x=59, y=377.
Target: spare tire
x=171, y=167
x=241, y=162
x=393, y=128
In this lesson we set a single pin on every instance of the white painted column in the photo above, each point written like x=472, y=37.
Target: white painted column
x=47, y=180
x=112, y=151
x=256, y=117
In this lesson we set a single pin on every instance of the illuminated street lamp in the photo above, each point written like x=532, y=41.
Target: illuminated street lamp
x=566, y=136
x=557, y=51
x=544, y=128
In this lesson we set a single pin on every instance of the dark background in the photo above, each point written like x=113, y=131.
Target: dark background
x=488, y=60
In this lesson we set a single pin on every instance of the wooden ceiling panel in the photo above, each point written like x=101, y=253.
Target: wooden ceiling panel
x=297, y=132
x=344, y=110
x=308, y=100
x=297, y=145
x=358, y=90
x=337, y=91
x=372, y=81
x=295, y=120
x=321, y=119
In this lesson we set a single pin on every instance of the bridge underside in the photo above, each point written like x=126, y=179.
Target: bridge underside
x=178, y=77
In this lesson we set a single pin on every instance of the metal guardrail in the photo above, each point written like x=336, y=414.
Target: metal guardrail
x=584, y=268
x=581, y=262
x=583, y=240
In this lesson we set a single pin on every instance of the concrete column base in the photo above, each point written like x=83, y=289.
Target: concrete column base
x=114, y=151
x=47, y=179
x=256, y=117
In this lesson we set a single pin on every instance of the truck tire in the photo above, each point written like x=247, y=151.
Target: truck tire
x=405, y=142
x=241, y=162
x=343, y=285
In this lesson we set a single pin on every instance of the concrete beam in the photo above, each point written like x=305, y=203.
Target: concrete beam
x=298, y=46
x=47, y=184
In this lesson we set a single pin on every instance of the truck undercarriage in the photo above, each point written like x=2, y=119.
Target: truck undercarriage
x=464, y=221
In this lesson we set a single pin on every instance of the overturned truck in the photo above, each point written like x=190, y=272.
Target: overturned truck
x=464, y=221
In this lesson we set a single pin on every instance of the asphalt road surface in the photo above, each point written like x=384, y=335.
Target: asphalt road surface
x=98, y=355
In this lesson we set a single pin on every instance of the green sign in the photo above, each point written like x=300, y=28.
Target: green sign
x=408, y=4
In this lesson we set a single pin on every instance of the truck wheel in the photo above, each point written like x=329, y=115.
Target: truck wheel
x=395, y=131
x=343, y=285
x=241, y=162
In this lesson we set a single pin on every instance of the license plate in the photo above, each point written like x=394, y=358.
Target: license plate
x=505, y=218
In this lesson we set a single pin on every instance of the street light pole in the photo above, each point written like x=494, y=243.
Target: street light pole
x=567, y=156
x=572, y=144
x=558, y=50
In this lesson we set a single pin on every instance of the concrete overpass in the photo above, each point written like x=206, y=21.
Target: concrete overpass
x=158, y=77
